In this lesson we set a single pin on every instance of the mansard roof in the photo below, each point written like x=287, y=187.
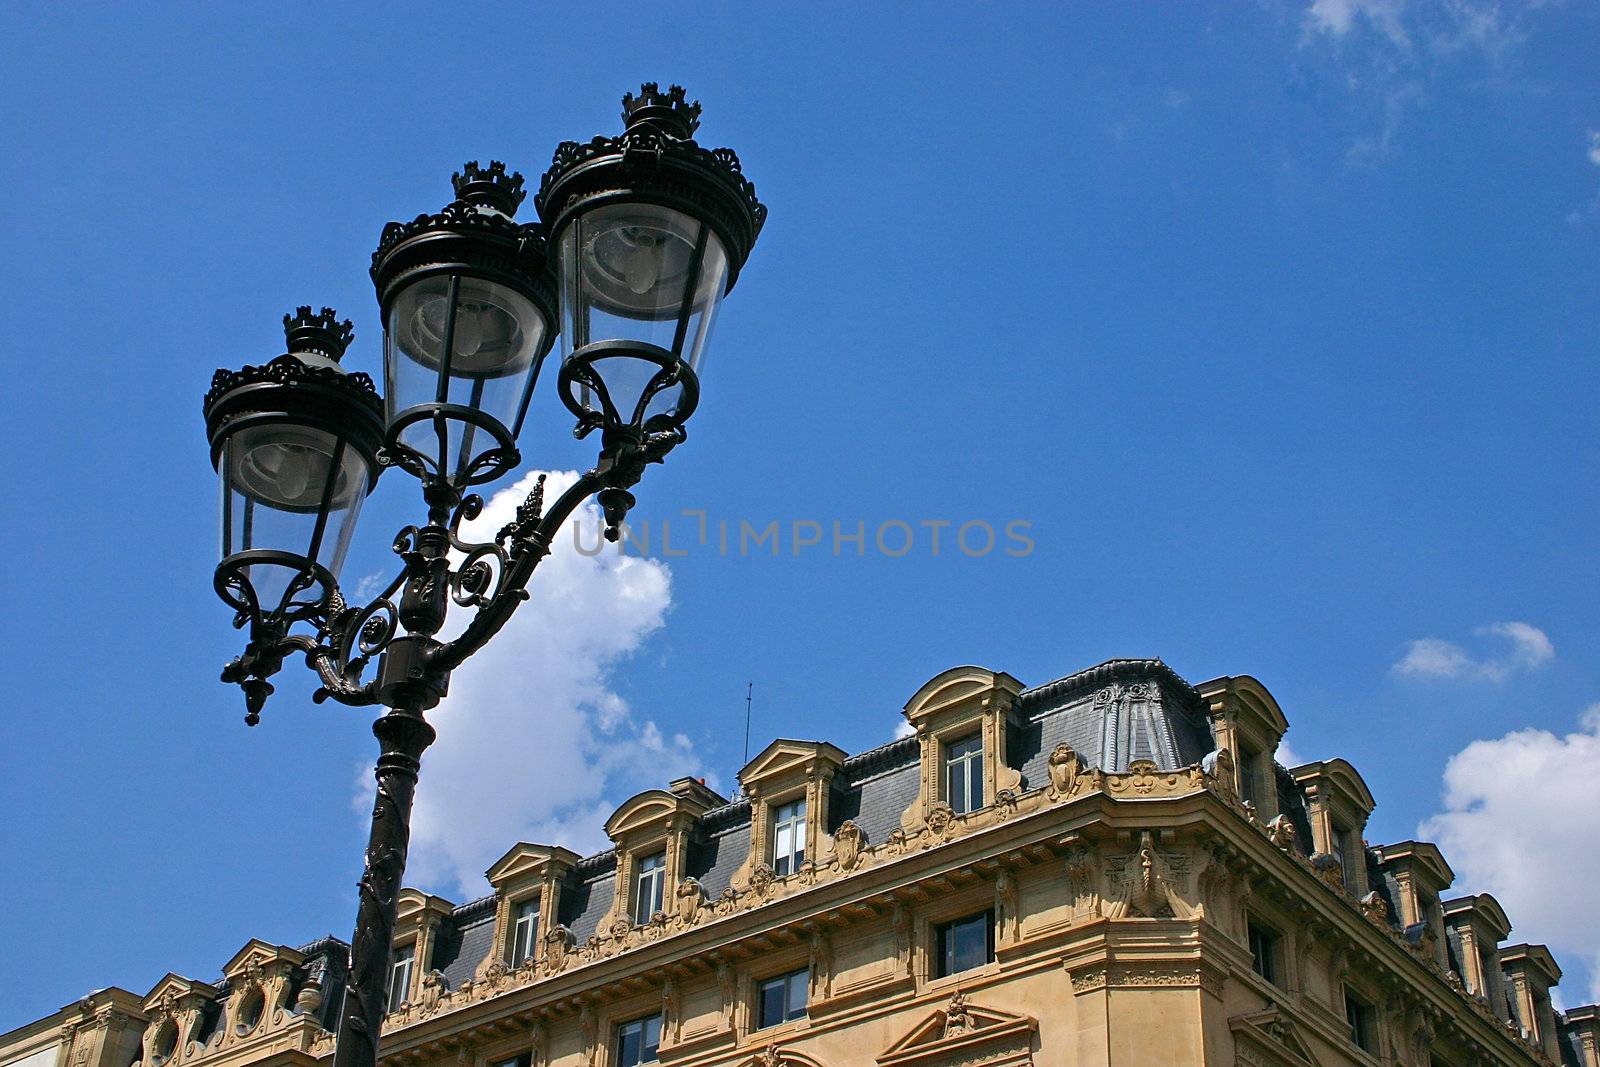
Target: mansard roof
x=1111, y=714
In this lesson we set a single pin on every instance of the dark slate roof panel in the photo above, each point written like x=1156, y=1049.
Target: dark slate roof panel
x=476, y=941
x=879, y=801
x=1292, y=803
x=1113, y=714
x=715, y=857
x=589, y=897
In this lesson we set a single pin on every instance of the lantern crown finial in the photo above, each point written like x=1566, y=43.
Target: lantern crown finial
x=670, y=111
x=491, y=187
x=322, y=333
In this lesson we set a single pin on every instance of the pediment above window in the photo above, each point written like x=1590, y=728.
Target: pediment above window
x=961, y=693
x=1268, y=1038
x=658, y=811
x=528, y=863
x=965, y=1033
x=258, y=958
x=786, y=762
x=173, y=991
x=412, y=906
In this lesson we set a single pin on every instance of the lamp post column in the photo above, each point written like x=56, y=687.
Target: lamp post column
x=403, y=735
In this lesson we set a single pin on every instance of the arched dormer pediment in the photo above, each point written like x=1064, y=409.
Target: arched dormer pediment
x=648, y=812
x=959, y=689
x=1350, y=783
x=412, y=905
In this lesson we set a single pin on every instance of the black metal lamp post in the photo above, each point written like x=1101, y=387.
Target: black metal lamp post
x=648, y=232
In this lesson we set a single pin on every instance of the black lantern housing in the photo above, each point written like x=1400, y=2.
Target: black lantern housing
x=469, y=311
x=295, y=443
x=649, y=231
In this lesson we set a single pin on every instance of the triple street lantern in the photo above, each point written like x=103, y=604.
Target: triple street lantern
x=640, y=237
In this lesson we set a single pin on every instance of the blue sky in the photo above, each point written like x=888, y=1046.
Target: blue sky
x=1274, y=323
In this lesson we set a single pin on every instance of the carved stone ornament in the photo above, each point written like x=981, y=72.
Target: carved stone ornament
x=847, y=842
x=941, y=817
x=1145, y=779
x=761, y=879
x=1065, y=766
x=772, y=1056
x=1281, y=832
x=1149, y=883
x=557, y=948
x=309, y=1000
x=964, y=1032
x=1329, y=869
x=1219, y=768
x=690, y=898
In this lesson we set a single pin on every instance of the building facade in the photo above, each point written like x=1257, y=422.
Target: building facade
x=1108, y=869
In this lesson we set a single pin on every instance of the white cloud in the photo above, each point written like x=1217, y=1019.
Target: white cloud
x=1339, y=17
x=1288, y=756
x=1594, y=147
x=903, y=729
x=1430, y=657
x=534, y=743
x=1391, y=56
x=1518, y=822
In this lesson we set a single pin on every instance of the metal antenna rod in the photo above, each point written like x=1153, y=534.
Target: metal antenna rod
x=749, y=689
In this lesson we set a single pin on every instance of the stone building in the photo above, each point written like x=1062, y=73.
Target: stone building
x=1108, y=869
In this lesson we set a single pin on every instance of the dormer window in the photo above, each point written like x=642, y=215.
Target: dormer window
x=400, y=968
x=963, y=773
x=524, y=931
x=1249, y=769
x=789, y=837
x=649, y=887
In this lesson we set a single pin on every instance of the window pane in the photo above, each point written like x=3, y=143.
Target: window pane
x=770, y=996
x=652, y=1038
x=628, y=1045
x=798, y=981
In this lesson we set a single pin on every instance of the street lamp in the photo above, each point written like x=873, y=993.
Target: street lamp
x=648, y=232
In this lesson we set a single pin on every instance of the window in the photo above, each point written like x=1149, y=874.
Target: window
x=782, y=998
x=649, y=887
x=1249, y=760
x=523, y=931
x=524, y=1060
x=1363, y=1022
x=963, y=944
x=638, y=1040
x=789, y=837
x=963, y=774
x=1348, y=857
x=1263, y=952
x=405, y=958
